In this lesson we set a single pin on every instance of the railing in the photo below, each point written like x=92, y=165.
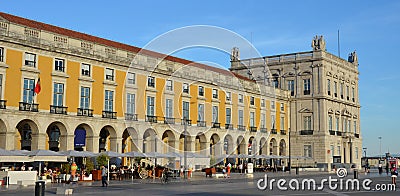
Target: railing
x=54, y=109
x=263, y=130
x=216, y=125
x=241, y=128
x=85, y=112
x=110, y=77
x=152, y=119
x=274, y=131
x=132, y=117
x=338, y=133
x=32, y=107
x=201, y=123
x=188, y=122
x=283, y=132
x=331, y=132
x=3, y=104
x=169, y=120
x=253, y=129
x=357, y=135
x=109, y=114
x=306, y=132
x=229, y=126
x=306, y=92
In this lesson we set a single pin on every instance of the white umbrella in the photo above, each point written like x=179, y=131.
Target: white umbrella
x=135, y=154
x=157, y=155
x=113, y=154
x=175, y=154
x=12, y=156
x=195, y=155
x=46, y=155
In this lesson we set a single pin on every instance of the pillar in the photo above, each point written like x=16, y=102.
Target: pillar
x=38, y=141
x=67, y=142
x=92, y=143
x=7, y=140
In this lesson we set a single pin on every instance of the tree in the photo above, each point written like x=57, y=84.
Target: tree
x=102, y=160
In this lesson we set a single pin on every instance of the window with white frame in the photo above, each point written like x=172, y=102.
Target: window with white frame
x=200, y=112
x=85, y=98
x=330, y=126
x=273, y=122
x=338, y=151
x=307, y=123
x=347, y=93
x=335, y=88
x=168, y=85
x=150, y=106
x=307, y=85
x=30, y=59
x=329, y=87
x=291, y=87
x=252, y=119
x=1, y=86
x=59, y=65
x=215, y=93
x=215, y=114
x=201, y=91
x=131, y=78
x=337, y=123
x=1, y=54
x=283, y=123
x=355, y=126
x=151, y=81
x=228, y=115
x=262, y=102
x=240, y=117
x=251, y=100
x=109, y=101
x=58, y=94
x=240, y=98
x=273, y=105
x=29, y=85
x=130, y=103
x=85, y=69
x=282, y=107
x=168, y=108
x=332, y=150
x=110, y=74
x=308, y=151
x=185, y=88
x=185, y=110
x=262, y=124
x=228, y=96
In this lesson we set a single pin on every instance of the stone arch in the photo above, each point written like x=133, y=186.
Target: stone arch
x=189, y=140
x=130, y=139
x=273, y=147
x=107, y=139
x=282, y=147
x=84, y=138
x=263, y=146
x=215, y=145
x=3, y=136
x=251, y=146
x=168, y=139
x=3, y=126
x=228, y=144
x=201, y=143
x=241, y=145
x=150, y=140
x=27, y=137
x=55, y=136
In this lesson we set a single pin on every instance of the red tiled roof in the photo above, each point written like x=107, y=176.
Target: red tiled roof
x=90, y=38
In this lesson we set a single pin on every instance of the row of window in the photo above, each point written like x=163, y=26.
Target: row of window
x=308, y=151
x=291, y=88
x=341, y=86
x=346, y=124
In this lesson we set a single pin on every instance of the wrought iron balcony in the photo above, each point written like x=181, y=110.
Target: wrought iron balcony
x=85, y=112
x=109, y=114
x=58, y=109
x=338, y=133
x=263, y=130
x=241, y=128
x=283, y=132
x=253, y=129
x=201, y=123
x=32, y=107
x=331, y=132
x=216, y=125
x=229, y=126
x=188, y=122
x=306, y=92
x=152, y=119
x=132, y=117
x=3, y=104
x=274, y=131
x=357, y=135
x=306, y=132
x=169, y=120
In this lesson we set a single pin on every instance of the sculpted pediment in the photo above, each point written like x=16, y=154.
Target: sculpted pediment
x=305, y=110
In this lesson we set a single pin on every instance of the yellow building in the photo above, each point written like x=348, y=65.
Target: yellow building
x=99, y=95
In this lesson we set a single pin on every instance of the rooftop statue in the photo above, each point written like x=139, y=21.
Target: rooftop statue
x=318, y=43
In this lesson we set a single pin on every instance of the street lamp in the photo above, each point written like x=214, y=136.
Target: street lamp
x=380, y=148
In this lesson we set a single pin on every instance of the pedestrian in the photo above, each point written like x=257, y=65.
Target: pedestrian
x=394, y=173
x=228, y=170
x=104, y=176
x=387, y=169
x=380, y=167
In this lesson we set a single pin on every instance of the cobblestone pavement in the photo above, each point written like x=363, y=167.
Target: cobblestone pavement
x=237, y=184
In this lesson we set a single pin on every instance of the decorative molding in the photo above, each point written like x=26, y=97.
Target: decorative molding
x=345, y=112
x=328, y=73
x=330, y=111
x=305, y=73
x=305, y=110
x=59, y=74
x=85, y=78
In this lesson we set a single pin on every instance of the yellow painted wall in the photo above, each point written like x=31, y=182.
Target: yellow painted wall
x=160, y=102
x=257, y=113
x=178, y=100
x=278, y=115
x=73, y=88
x=12, y=91
x=221, y=107
x=141, y=81
x=45, y=97
x=268, y=122
x=98, y=89
x=235, y=111
x=208, y=106
x=193, y=103
x=119, y=93
x=246, y=112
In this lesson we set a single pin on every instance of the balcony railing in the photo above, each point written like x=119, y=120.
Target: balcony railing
x=188, y=122
x=306, y=132
x=263, y=130
x=169, y=120
x=58, y=109
x=201, y=123
x=3, y=104
x=152, y=119
x=306, y=92
x=32, y=107
x=283, y=132
x=253, y=129
x=132, y=117
x=331, y=132
x=357, y=135
x=229, y=126
x=216, y=125
x=274, y=131
x=85, y=112
x=338, y=133
x=109, y=114
x=241, y=128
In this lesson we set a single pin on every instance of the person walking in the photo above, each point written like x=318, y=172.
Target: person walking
x=394, y=173
x=228, y=170
x=380, y=167
x=104, y=176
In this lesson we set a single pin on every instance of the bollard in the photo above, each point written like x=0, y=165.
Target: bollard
x=355, y=174
x=39, y=188
x=297, y=171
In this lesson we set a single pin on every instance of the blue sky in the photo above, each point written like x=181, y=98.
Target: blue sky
x=274, y=27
